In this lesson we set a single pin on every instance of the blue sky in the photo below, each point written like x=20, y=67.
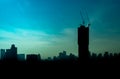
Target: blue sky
x=50, y=26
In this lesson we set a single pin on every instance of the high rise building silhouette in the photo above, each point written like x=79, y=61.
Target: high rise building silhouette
x=11, y=54
x=2, y=52
x=83, y=43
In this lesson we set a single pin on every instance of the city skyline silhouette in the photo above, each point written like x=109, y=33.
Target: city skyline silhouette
x=84, y=55
x=49, y=27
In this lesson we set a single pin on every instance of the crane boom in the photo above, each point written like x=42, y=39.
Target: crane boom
x=87, y=17
x=82, y=17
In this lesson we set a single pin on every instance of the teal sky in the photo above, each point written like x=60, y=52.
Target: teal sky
x=50, y=26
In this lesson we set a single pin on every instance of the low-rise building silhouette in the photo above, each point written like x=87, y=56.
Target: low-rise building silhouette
x=62, y=55
x=21, y=57
x=33, y=57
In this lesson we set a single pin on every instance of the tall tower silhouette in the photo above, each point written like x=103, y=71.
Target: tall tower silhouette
x=11, y=54
x=83, y=43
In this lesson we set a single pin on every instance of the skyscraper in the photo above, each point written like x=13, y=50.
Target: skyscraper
x=83, y=43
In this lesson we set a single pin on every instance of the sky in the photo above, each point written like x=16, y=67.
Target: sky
x=48, y=27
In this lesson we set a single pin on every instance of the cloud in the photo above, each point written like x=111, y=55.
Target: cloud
x=25, y=36
x=30, y=41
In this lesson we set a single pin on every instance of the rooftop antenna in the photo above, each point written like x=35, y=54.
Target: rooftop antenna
x=87, y=18
x=82, y=18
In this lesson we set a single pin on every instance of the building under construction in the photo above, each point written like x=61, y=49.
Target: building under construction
x=83, y=41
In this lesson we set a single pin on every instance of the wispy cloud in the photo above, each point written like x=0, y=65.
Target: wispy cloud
x=31, y=40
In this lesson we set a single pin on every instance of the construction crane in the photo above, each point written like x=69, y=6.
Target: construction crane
x=87, y=17
x=82, y=18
